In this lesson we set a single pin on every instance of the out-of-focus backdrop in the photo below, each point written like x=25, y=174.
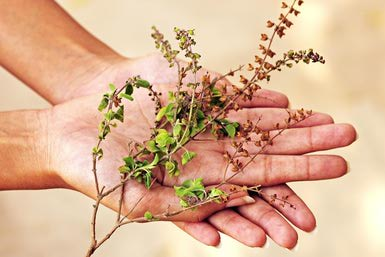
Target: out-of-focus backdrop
x=351, y=87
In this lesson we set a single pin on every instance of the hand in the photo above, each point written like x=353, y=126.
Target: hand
x=86, y=66
x=80, y=136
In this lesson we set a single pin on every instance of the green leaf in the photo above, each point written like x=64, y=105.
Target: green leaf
x=129, y=97
x=215, y=192
x=103, y=104
x=130, y=162
x=291, y=53
x=147, y=179
x=230, y=129
x=155, y=161
x=216, y=92
x=195, y=184
x=172, y=168
x=95, y=150
x=148, y=216
x=151, y=146
x=119, y=115
x=190, y=187
x=196, y=56
x=200, y=114
x=187, y=156
x=109, y=115
x=142, y=83
x=171, y=96
x=163, y=138
x=112, y=87
x=218, y=195
x=183, y=203
x=98, y=152
x=163, y=111
x=177, y=130
x=103, y=130
x=129, y=89
x=124, y=169
x=186, y=134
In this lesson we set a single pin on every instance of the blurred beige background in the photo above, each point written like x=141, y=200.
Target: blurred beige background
x=350, y=211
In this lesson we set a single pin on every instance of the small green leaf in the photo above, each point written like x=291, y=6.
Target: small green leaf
x=142, y=83
x=103, y=104
x=163, y=111
x=103, y=130
x=215, y=192
x=291, y=53
x=148, y=216
x=171, y=96
x=196, y=56
x=230, y=129
x=129, y=89
x=98, y=152
x=147, y=179
x=183, y=203
x=124, y=169
x=176, y=130
x=172, y=168
x=200, y=114
x=155, y=161
x=129, y=97
x=119, y=115
x=151, y=146
x=190, y=187
x=216, y=92
x=109, y=115
x=112, y=87
x=95, y=150
x=130, y=162
x=163, y=138
x=187, y=156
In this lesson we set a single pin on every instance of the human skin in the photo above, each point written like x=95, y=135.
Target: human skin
x=58, y=140
x=51, y=148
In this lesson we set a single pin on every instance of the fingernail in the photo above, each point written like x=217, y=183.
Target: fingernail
x=314, y=231
x=240, y=201
x=266, y=245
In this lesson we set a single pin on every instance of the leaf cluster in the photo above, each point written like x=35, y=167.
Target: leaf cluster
x=192, y=192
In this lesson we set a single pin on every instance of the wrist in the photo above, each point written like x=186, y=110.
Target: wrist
x=24, y=152
x=89, y=72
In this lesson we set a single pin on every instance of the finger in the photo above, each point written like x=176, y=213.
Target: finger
x=277, y=169
x=265, y=98
x=201, y=231
x=239, y=228
x=300, y=216
x=297, y=140
x=273, y=224
x=268, y=118
x=267, y=169
x=312, y=139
